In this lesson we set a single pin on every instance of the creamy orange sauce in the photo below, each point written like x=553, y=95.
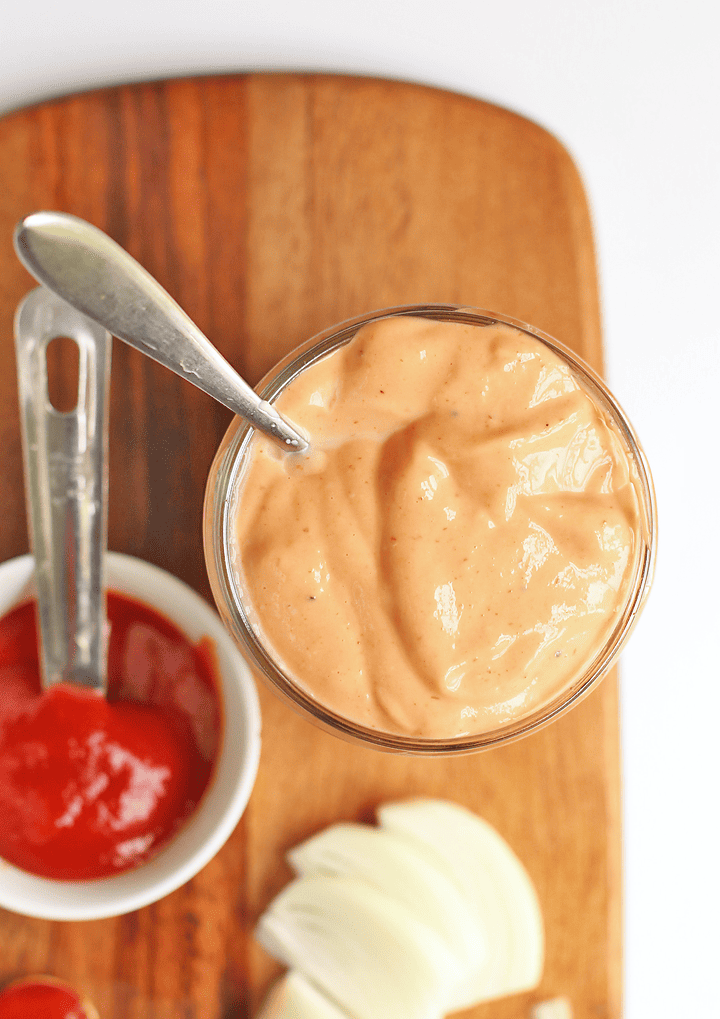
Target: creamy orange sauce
x=461, y=540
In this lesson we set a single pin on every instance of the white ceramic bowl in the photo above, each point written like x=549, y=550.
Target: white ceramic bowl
x=225, y=798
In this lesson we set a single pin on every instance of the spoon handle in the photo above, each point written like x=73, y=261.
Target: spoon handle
x=65, y=458
x=91, y=272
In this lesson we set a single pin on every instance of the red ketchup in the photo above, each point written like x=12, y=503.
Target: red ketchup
x=89, y=786
x=43, y=998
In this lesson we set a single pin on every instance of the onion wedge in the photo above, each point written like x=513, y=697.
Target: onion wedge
x=293, y=997
x=367, y=952
x=407, y=873
x=555, y=1008
x=492, y=880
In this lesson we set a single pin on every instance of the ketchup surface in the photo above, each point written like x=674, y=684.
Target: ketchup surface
x=89, y=786
x=38, y=1000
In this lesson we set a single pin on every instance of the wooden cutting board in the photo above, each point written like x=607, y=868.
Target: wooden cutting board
x=271, y=206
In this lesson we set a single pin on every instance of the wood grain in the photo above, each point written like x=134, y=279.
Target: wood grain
x=271, y=207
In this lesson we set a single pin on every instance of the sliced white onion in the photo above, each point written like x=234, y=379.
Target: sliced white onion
x=294, y=997
x=491, y=878
x=555, y=1008
x=407, y=873
x=365, y=950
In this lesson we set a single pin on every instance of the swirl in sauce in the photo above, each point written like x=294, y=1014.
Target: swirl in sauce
x=460, y=542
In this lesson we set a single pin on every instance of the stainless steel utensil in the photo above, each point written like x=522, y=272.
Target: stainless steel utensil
x=91, y=272
x=65, y=458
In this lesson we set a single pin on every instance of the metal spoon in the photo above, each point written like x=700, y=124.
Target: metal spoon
x=65, y=458
x=91, y=272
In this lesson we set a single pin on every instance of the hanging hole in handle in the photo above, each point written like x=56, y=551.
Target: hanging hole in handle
x=62, y=357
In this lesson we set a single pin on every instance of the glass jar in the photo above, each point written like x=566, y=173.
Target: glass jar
x=221, y=493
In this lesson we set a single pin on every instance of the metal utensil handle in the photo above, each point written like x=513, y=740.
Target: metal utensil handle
x=90, y=271
x=65, y=458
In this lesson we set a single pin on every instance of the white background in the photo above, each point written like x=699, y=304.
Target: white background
x=632, y=88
